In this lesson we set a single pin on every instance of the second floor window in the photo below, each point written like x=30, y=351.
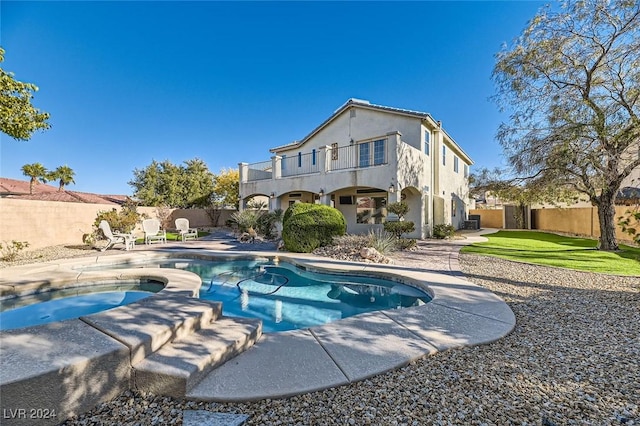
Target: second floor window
x=455, y=164
x=364, y=155
x=444, y=155
x=371, y=153
x=466, y=171
x=313, y=157
x=427, y=141
x=378, y=152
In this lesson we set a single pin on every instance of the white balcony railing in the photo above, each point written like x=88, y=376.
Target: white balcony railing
x=330, y=158
x=260, y=171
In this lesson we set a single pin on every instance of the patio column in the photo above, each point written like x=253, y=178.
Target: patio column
x=325, y=159
x=325, y=199
x=274, y=203
x=276, y=167
x=243, y=170
x=394, y=196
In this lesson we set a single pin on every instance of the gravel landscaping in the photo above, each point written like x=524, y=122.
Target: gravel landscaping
x=573, y=359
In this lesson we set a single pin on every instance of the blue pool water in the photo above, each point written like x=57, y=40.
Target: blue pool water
x=286, y=297
x=61, y=305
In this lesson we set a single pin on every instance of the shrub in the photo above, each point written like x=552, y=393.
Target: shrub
x=406, y=243
x=629, y=223
x=399, y=228
x=309, y=226
x=124, y=220
x=267, y=222
x=443, y=231
x=11, y=251
x=382, y=241
x=400, y=208
x=296, y=208
x=245, y=220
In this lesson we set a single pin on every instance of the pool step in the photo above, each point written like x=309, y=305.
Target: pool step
x=179, y=366
x=149, y=324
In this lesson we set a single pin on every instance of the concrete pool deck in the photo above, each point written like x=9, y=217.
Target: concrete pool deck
x=294, y=362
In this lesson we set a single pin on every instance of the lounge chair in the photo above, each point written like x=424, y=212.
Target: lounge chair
x=128, y=240
x=182, y=225
x=153, y=231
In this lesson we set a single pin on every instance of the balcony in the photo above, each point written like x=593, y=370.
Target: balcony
x=259, y=171
x=326, y=159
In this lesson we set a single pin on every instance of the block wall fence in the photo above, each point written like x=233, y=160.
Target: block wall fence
x=47, y=223
x=581, y=221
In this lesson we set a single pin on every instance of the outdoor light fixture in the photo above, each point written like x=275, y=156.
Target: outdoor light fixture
x=321, y=192
x=392, y=188
x=273, y=195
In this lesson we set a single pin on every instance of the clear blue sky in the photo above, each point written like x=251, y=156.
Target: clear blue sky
x=129, y=82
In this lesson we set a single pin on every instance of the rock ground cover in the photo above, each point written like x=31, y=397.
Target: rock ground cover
x=573, y=359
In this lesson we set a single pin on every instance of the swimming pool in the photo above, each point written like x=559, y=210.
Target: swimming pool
x=287, y=297
x=59, y=305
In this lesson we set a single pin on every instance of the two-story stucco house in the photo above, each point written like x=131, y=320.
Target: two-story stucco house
x=363, y=157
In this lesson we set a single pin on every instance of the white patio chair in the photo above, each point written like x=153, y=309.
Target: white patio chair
x=113, y=238
x=182, y=225
x=153, y=232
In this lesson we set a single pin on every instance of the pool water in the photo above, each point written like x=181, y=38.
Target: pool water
x=66, y=304
x=286, y=297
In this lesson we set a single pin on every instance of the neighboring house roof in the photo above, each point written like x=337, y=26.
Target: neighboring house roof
x=13, y=188
x=628, y=195
x=368, y=105
x=17, y=187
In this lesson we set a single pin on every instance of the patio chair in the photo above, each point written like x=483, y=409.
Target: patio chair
x=113, y=238
x=153, y=231
x=182, y=225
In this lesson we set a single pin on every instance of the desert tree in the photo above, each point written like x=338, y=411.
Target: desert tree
x=198, y=183
x=178, y=186
x=36, y=172
x=571, y=85
x=18, y=117
x=226, y=188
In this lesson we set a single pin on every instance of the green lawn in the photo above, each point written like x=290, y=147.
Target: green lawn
x=173, y=236
x=556, y=250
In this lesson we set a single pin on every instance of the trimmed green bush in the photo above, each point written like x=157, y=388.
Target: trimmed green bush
x=443, y=231
x=399, y=228
x=309, y=226
x=296, y=209
x=401, y=208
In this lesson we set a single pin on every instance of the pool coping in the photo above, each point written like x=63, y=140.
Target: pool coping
x=289, y=363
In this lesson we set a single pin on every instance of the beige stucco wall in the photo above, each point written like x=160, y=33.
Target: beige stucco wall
x=450, y=185
x=361, y=124
x=47, y=223
x=579, y=221
x=489, y=218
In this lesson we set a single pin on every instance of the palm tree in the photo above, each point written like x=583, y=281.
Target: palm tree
x=36, y=172
x=64, y=176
